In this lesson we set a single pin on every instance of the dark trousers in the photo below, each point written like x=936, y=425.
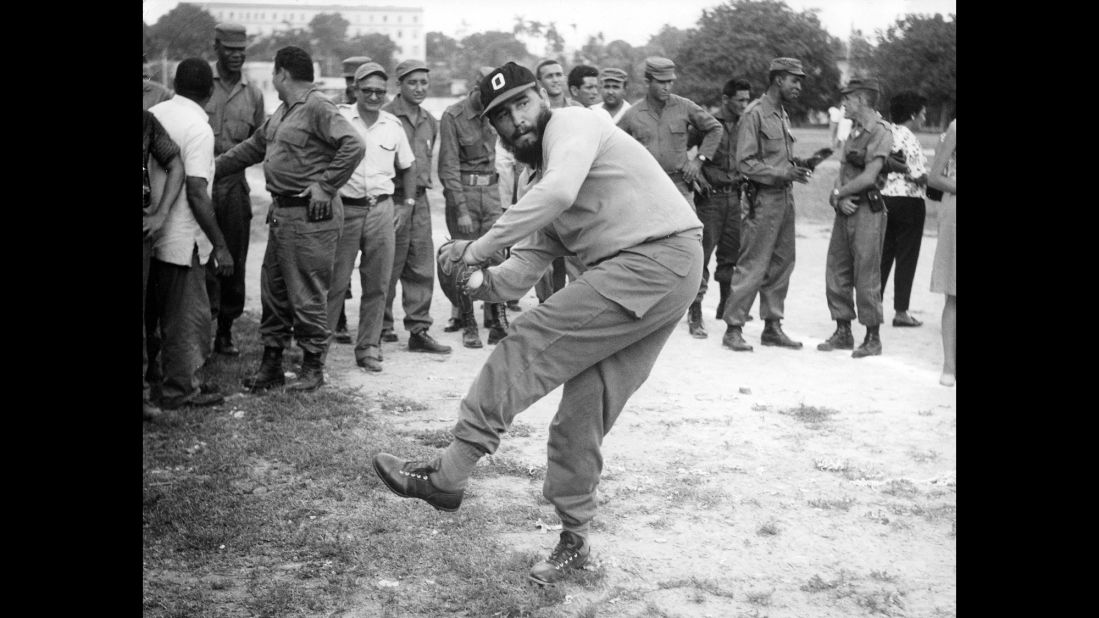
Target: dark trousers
x=720, y=216
x=903, y=237
x=177, y=321
x=413, y=266
x=233, y=210
x=294, y=280
x=483, y=205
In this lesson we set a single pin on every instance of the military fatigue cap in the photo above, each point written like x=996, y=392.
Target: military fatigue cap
x=502, y=84
x=409, y=66
x=352, y=63
x=231, y=35
x=368, y=69
x=790, y=65
x=659, y=68
x=866, y=83
x=612, y=74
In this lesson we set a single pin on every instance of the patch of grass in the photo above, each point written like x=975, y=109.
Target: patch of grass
x=436, y=438
x=267, y=506
x=812, y=416
x=493, y=465
x=397, y=404
x=901, y=488
x=769, y=528
x=708, y=586
x=884, y=576
x=818, y=584
x=841, y=504
x=923, y=456
x=884, y=602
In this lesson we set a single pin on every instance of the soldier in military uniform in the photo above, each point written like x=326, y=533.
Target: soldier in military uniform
x=236, y=111
x=765, y=157
x=467, y=169
x=854, y=251
x=660, y=122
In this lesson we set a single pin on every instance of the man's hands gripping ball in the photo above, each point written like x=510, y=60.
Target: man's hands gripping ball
x=453, y=272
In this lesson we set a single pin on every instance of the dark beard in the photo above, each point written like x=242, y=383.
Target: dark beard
x=530, y=155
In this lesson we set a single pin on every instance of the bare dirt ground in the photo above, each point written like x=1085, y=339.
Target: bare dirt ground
x=776, y=482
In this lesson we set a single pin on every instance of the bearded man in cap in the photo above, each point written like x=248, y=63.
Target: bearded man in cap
x=596, y=195
x=467, y=169
x=765, y=157
x=235, y=111
x=614, y=93
x=308, y=152
x=414, y=251
x=661, y=122
x=854, y=251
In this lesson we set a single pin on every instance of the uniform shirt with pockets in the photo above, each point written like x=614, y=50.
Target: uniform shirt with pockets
x=665, y=135
x=467, y=144
x=304, y=141
x=764, y=145
x=721, y=170
x=187, y=125
x=421, y=135
x=386, y=143
x=865, y=145
x=235, y=111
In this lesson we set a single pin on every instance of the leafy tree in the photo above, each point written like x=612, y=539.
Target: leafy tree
x=741, y=37
x=264, y=47
x=440, y=48
x=329, y=34
x=379, y=47
x=491, y=48
x=186, y=31
x=920, y=53
x=860, y=53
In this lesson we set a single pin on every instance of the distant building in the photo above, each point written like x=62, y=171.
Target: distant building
x=403, y=25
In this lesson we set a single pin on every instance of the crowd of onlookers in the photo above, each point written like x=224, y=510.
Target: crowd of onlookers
x=348, y=181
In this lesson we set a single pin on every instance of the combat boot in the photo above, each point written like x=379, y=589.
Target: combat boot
x=571, y=554
x=499, y=328
x=694, y=321
x=723, y=288
x=311, y=376
x=871, y=346
x=270, y=371
x=470, y=337
x=223, y=342
x=734, y=340
x=773, y=335
x=842, y=339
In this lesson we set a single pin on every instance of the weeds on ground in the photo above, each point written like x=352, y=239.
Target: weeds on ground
x=267, y=505
x=842, y=504
x=762, y=599
x=769, y=528
x=813, y=416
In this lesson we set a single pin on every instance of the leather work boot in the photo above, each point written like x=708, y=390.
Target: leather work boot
x=389, y=335
x=871, y=346
x=223, y=343
x=723, y=288
x=410, y=479
x=571, y=553
x=694, y=321
x=311, y=376
x=773, y=335
x=453, y=325
x=270, y=371
x=734, y=340
x=423, y=342
x=842, y=339
x=471, y=338
x=499, y=328
x=199, y=400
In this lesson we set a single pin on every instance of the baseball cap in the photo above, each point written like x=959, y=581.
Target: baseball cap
x=502, y=84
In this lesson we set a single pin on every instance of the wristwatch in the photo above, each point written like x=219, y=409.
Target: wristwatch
x=410, y=201
x=703, y=158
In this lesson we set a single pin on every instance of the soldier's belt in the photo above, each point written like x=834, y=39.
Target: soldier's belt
x=289, y=201
x=479, y=180
x=364, y=201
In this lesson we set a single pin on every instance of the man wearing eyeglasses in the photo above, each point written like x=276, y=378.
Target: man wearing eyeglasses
x=368, y=224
